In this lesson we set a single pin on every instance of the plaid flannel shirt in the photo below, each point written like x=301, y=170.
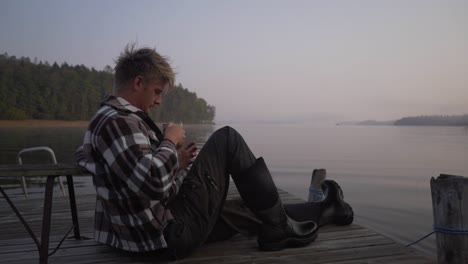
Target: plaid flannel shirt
x=134, y=174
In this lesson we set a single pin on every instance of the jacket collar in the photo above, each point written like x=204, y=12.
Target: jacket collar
x=120, y=104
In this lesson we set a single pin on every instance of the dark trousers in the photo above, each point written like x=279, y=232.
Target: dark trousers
x=197, y=206
x=200, y=209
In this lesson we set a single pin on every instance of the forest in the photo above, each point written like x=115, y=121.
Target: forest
x=433, y=120
x=38, y=90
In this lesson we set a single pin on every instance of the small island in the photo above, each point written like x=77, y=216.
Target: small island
x=434, y=120
x=423, y=120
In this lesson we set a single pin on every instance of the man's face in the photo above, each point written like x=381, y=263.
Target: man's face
x=150, y=95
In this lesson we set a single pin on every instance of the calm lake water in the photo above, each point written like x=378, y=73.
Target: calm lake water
x=383, y=170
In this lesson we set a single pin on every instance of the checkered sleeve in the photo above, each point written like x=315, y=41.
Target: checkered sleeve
x=126, y=148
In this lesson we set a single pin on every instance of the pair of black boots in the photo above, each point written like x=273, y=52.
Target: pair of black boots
x=277, y=231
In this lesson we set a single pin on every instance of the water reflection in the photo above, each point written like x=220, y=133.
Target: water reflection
x=63, y=141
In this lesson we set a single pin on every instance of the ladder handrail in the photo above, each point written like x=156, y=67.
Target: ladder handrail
x=44, y=148
x=54, y=160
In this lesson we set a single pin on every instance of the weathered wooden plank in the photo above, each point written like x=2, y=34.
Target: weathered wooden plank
x=400, y=259
x=335, y=228
x=311, y=256
x=234, y=248
x=222, y=249
x=253, y=244
x=59, y=200
x=36, y=216
x=6, y=213
x=35, y=170
x=335, y=244
x=73, y=252
x=19, y=233
x=28, y=240
x=29, y=247
x=353, y=233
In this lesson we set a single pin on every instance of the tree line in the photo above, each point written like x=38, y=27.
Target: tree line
x=434, y=120
x=38, y=90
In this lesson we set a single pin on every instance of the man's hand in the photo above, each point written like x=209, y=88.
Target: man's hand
x=186, y=155
x=175, y=133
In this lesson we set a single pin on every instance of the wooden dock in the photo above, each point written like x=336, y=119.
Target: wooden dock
x=335, y=244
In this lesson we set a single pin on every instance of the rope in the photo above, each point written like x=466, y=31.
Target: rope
x=452, y=231
x=315, y=190
x=422, y=238
x=443, y=230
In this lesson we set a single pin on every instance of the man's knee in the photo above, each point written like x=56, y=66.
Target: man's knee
x=227, y=135
x=226, y=131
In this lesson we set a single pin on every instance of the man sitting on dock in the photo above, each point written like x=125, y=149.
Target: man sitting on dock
x=155, y=194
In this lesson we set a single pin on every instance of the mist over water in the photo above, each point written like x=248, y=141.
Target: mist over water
x=384, y=170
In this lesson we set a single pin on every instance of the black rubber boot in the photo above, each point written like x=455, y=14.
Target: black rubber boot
x=334, y=209
x=277, y=231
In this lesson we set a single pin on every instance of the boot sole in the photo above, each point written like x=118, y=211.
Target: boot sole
x=287, y=243
x=338, y=220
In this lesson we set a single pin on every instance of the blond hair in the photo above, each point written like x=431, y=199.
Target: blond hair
x=146, y=62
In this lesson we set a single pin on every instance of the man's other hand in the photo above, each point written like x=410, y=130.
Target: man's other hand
x=186, y=155
x=175, y=133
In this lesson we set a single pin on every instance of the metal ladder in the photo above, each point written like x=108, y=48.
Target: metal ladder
x=52, y=154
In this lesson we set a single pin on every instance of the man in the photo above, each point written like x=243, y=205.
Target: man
x=154, y=195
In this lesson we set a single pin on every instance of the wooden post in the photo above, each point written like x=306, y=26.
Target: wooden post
x=318, y=176
x=450, y=210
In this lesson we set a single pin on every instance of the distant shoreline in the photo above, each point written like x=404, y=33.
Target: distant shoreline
x=54, y=123
x=427, y=120
x=43, y=123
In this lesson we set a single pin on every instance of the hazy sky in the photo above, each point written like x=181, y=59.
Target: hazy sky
x=269, y=60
